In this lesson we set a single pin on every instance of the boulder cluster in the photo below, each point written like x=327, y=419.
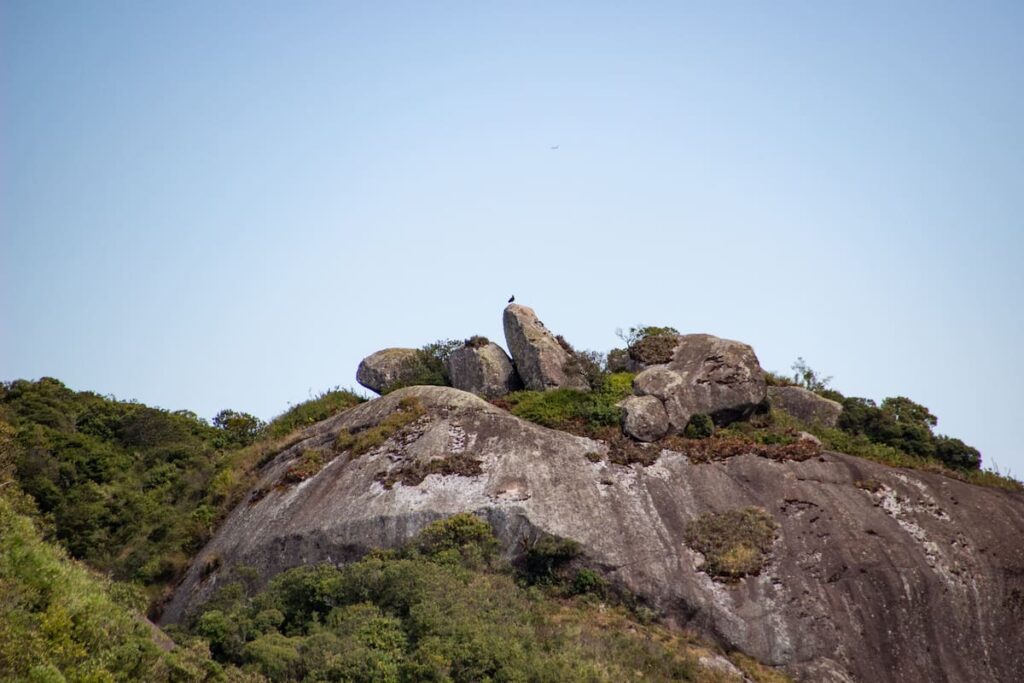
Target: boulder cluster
x=703, y=375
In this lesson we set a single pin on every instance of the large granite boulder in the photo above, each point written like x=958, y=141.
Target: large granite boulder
x=805, y=405
x=387, y=368
x=717, y=377
x=541, y=361
x=876, y=574
x=644, y=418
x=483, y=368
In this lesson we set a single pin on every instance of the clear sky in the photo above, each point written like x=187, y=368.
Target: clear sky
x=207, y=205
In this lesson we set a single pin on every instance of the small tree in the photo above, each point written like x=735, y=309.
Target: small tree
x=808, y=378
x=241, y=428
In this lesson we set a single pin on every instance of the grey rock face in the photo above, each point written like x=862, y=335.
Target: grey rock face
x=540, y=360
x=620, y=361
x=717, y=377
x=486, y=370
x=805, y=405
x=644, y=418
x=877, y=574
x=380, y=370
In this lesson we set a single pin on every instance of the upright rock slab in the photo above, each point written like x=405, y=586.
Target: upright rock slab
x=540, y=360
x=483, y=370
x=717, y=377
x=386, y=368
x=805, y=405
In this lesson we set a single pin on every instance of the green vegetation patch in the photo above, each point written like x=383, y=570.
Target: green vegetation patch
x=308, y=464
x=58, y=621
x=319, y=408
x=571, y=410
x=442, y=608
x=735, y=543
x=134, y=490
x=358, y=442
x=700, y=426
x=650, y=344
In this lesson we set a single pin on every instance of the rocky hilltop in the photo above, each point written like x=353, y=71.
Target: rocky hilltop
x=867, y=572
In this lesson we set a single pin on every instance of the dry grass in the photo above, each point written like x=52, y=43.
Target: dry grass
x=734, y=543
x=413, y=473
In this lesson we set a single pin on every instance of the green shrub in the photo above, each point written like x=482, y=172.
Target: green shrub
x=434, y=611
x=546, y=556
x=700, y=426
x=428, y=366
x=588, y=582
x=60, y=622
x=650, y=344
x=569, y=409
x=734, y=543
x=317, y=409
x=464, y=533
x=241, y=428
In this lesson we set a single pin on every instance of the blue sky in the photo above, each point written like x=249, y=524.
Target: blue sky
x=209, y=205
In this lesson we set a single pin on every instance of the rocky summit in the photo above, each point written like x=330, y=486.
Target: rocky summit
x=830, y=566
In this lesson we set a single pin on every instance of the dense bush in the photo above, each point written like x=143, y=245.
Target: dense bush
x=700, y=426
x=649, y=344
x=907, y=427
x=130, y=489
x=572, y=410
x=440, y=609
x=320, y=407
x=60, y=622
x=899, y=424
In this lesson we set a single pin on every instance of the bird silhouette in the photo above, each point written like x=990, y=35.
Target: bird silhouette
x=512, y=298
x=554, y=147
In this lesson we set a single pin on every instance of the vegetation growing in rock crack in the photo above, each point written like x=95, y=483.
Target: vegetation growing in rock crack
x=734, y=543
x=412, y=473
x=359, y=441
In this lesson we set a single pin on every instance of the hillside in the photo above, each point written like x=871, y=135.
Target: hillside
x=665, y=511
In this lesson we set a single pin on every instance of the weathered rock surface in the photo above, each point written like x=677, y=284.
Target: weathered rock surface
x=620, y=361
x=483, y=370
x=644, y=418
x=805, y=405
x=540, y=360
x=717, y=377
x=877, y=574
x=385, y=368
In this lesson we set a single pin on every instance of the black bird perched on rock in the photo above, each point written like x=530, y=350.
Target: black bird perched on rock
x=512, y=298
